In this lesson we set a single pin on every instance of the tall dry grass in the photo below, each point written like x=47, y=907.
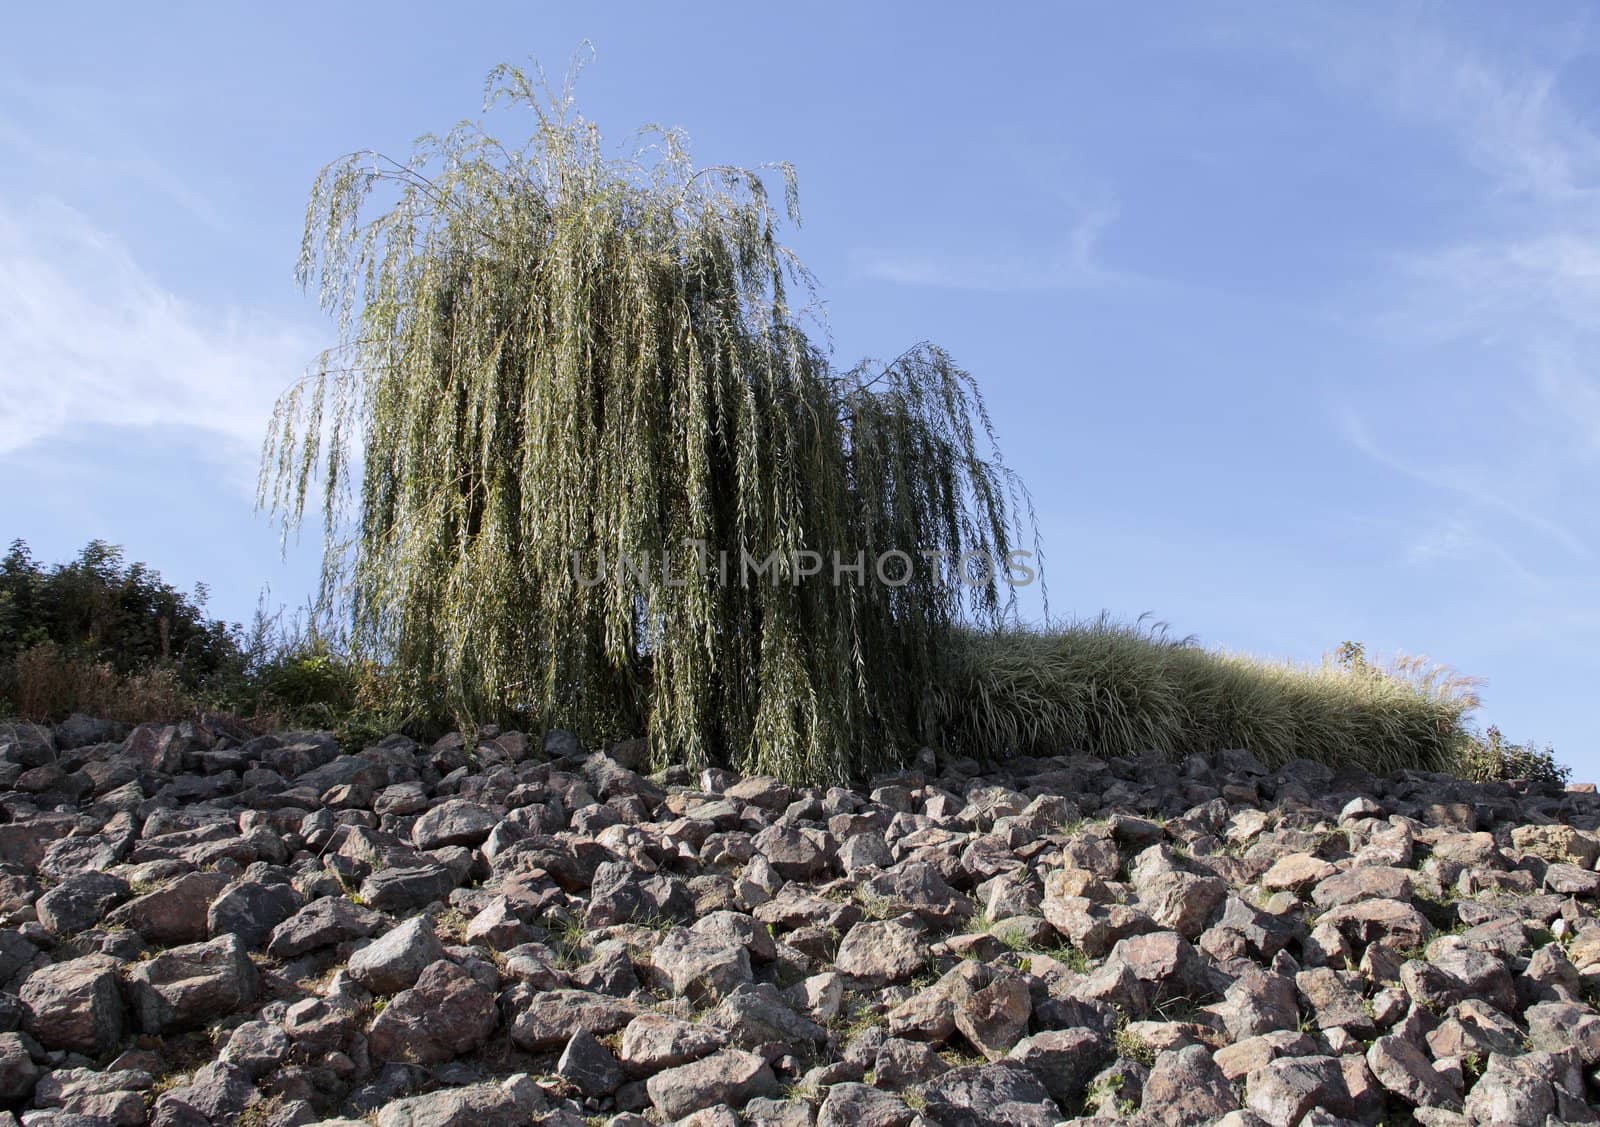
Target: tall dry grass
x=1113, y=689
x=50, y=683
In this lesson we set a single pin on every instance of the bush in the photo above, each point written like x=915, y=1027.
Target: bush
x=102, y=636
x=113, y=640
x=312, y=683
x=1489, y=758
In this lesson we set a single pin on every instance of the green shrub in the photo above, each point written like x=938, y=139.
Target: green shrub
x=1489, y=758
x=300, y=673
x=1099, y=687
x=310, y=684
x=321, y=688
x=103, y=636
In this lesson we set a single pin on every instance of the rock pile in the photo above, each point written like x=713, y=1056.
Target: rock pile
x=197, y=927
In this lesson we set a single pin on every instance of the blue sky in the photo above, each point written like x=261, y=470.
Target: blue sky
x=1286, y=314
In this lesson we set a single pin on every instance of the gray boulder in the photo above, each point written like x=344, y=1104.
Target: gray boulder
x=322, y=923
x=186, y=987
x=445, y=1014
x=1002, y=1094
x=731, y=1077
x=250, y=910
x=395, y=960
x=455, y=822
x=81, y=901
x=76, y=1004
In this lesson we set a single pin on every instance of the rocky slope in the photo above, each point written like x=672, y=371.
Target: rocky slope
x=204, y=928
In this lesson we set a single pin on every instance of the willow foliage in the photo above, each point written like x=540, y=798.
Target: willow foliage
x=551, y=357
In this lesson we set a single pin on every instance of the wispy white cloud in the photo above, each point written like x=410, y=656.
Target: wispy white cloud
x=1572, y=393
x=1483, y=487
x=114, y=157
x=1067, y=262
x=1498, y=102
x=1530, y=289
x=90, y=338
x=1502, y=318
x=1459, y=537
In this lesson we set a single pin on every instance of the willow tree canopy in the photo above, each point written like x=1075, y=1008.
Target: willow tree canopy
x=552, y=361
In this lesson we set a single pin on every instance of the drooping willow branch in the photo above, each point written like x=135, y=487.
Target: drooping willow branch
x=546, y=352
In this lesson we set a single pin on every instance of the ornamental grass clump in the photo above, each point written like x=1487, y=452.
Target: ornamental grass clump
x=1109, y=689
x=550, y=358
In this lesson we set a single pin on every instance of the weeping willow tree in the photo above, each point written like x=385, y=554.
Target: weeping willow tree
x=555, y=365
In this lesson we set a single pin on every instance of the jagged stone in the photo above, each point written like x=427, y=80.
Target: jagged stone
x=217, y=1093
x=731, y=1077
x=620, y=893
x=407, y=889
x=1259, y=1002
x=473, y=1105
x=1185, y=1088
x=881, y=952
x=994, y=1017
x=18, y=1073
x=322, y=923
x=1364, y=882
x=1560, y=844
x=186, y=987
x=258, y=1047
x=655, y=1041
x=1181, y=902
x=1004, y=1093
x=698, y=967
x=1063, y=1060
x=901, y=1064
x=589, y=1066
x=857, y=1105
x=456, y=822
x=543, y=1021
x=395, y=960
x=1406, y=1071
x=251, y=910
x=81, y=901
x=1284, y=1090
x=445, y=1014
x=753, y=1016
x=175, y=913
x=76, y=1004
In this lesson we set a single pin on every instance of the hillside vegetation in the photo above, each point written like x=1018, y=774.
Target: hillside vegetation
x=111, y=639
